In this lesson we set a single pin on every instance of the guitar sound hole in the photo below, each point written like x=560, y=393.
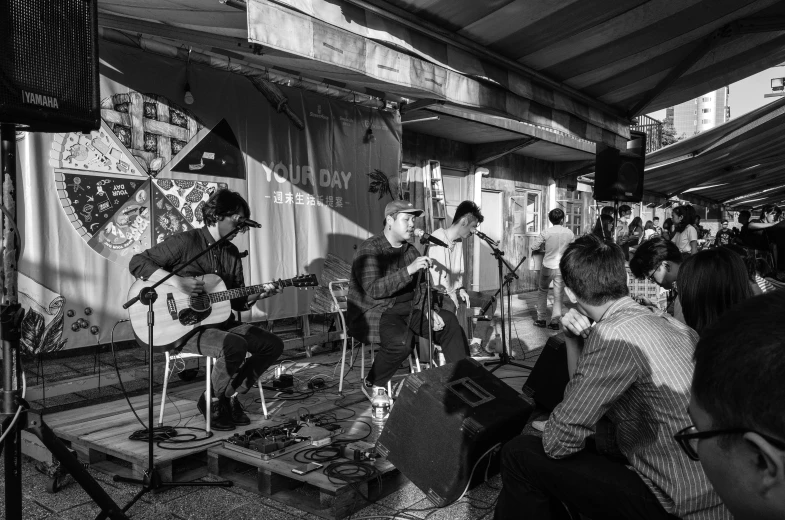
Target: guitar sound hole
x=199, y=303
x=191, y=317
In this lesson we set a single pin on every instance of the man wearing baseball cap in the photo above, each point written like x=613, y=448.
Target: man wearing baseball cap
x=385, y=299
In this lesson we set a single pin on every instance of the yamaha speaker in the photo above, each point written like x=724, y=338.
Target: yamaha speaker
x=549, y=377
x=49, y=65
x=619, y=174
x=447, y=425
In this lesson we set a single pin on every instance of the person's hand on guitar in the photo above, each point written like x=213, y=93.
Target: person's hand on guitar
x=189, y=285
x=269, y=290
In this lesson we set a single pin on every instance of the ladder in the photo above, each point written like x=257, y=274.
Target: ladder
x=435, y=211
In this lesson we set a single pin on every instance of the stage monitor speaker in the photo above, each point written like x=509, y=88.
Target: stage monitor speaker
x=618, y=175
x=445, y=424
x=49, y=65
x=549, y=377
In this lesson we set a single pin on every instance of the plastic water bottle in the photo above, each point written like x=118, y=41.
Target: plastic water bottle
x=380, y=410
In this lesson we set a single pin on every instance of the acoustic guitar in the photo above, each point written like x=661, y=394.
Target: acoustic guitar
x=178, y=315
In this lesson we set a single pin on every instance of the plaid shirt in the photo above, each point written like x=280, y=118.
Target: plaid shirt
x=375, y=279
x=636, y=368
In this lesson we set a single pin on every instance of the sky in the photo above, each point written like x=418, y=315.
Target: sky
x=746, y=95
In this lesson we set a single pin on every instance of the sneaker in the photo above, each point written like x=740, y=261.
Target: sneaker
x=238, y=414
x=222, y=420
x=540, y=323
x=367, y=389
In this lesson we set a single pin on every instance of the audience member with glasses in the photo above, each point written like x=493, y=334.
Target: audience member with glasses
x=737, y=406
x=659, y=260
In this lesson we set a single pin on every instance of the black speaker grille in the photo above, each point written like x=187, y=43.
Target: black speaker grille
x=48, y=66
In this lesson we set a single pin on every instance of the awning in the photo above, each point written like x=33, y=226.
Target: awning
x=579, y=68
x=739, y=163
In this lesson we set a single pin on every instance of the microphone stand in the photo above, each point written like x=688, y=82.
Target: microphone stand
x=147, y=296
x=505, y=356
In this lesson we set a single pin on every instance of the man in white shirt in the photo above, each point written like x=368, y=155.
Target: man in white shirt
x=448, y=265
x=556, y=239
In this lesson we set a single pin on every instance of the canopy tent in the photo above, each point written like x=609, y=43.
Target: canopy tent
x=572, y=68
x=739, y=163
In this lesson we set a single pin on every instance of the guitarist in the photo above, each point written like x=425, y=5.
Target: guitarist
x=229, y=342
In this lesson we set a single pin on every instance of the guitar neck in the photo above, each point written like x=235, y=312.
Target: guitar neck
x=231, y=294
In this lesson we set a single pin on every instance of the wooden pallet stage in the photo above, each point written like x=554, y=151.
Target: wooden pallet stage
x=100, y=436
x=313, y=492
x=100, y=433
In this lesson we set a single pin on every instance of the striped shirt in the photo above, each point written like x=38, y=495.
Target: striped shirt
x=636, y=368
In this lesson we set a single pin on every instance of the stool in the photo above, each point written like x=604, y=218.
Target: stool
x=208, y=386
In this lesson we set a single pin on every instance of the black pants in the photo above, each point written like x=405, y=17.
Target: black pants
x=535, y=486
x=394, y=347
x=228, y=345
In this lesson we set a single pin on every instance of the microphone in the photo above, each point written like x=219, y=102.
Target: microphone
x=486, y=237
x=425, y=237
x=249, y=223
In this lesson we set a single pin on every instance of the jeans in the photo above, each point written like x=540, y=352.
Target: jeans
x=535, y=486
x=228, y=346
x=546, y=275
x=395, y=348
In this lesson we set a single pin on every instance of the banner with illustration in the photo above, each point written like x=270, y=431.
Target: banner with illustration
x=88, y=203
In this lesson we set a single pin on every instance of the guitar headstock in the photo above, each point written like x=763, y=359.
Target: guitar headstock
x=305, y=280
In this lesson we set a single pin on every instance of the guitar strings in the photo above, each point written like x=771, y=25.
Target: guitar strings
x=204, y=298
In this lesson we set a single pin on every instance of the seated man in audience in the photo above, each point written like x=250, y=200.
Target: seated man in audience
x=634, y=366
x=738, y=408
x=658, y=260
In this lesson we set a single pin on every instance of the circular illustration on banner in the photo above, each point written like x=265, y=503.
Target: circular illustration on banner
x=117, y=185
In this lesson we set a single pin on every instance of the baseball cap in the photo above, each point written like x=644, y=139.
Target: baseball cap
x=401, y=206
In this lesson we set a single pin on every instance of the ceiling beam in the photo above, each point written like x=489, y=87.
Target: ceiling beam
x=215, y=42
x=486, y=152
x=675, y=73
x=417, y=23
x=569, y=168
x=735, y=28
x=419, y=104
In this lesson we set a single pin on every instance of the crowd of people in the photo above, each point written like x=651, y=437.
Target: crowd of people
x=692, y=393
x=692, y=397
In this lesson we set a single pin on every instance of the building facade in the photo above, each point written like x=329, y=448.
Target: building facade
x=702, y=113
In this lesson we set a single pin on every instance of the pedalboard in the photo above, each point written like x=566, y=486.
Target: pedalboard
x=270, y=442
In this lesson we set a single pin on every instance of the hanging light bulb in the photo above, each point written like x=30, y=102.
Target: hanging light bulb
x=189, y=98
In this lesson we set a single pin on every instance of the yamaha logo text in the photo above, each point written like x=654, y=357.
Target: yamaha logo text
x=38, y=99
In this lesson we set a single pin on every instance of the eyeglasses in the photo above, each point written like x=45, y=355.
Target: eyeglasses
x=689, y=437
x=650, y=276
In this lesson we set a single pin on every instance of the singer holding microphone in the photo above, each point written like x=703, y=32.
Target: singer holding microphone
x=386, y=293
x=229, y=342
